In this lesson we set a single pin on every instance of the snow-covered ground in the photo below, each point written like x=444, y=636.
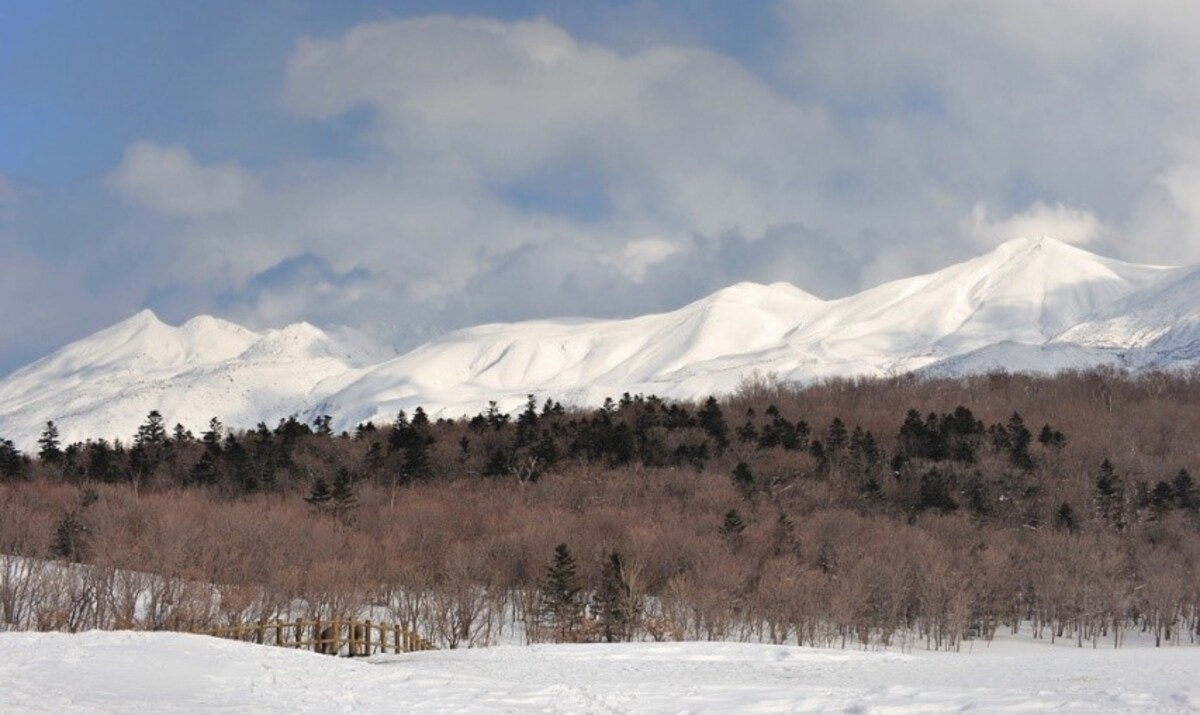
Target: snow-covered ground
x=167, y=672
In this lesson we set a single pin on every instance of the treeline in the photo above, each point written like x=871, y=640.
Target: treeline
x=847, y=512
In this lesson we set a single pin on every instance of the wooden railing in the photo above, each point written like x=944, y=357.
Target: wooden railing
x=336, y=637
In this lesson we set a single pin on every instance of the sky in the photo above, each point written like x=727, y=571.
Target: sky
x=413, y=166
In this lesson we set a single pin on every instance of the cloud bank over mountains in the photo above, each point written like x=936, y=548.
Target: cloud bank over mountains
x=499, y=169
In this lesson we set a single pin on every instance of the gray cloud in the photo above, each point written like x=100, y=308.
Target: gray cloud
x=509, y=170
x=168, y=180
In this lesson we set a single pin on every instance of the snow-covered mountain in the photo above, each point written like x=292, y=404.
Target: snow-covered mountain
x=1028, y=305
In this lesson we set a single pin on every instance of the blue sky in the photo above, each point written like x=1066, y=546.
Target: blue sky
x=406, y=166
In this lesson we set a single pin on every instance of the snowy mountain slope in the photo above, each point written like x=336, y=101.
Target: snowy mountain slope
x=1010, y=356
x=682, y=353
x=1163, y=322
x=1028, y=305
x=1024, y=290
x=104, y=386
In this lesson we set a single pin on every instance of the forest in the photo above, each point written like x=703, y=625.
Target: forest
x=855, y=513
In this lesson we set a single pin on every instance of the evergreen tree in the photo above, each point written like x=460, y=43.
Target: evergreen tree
x=342, y=495
x=1162, y=498
x=213, y=436
x=1064, y=518
x=151, y=432
x=48, y=444
x=13, y=464
x=1052, y=438
x=323, y=426
x=732, y=527
x=712, y=421
x=527, y=423
x=102, y=462
x=613, y=603
x=412, y=440
x=836, y=437
x=69, y=538
x=1109, y=496
x=935, y=493
x=1185, y=491
x=743, y=480
x=1018, y=443
x=149, y=448
x=561, y=605
x=320, y=495
x=181, y=434
x=748, y=432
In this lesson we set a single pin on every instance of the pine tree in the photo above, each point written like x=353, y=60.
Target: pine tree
x=561, y=605
x=836, y=437
x=732, y=527
x=48, y=444
x=1052, y=438
x=342, y=495
x=1018, y=443
x=323, y=426
x=69, y=538
x=320, y=495
x=1064, y=518
x=527, y=423
x=743, y=480
x=1185, y=491
x=151, y=432
x=613, y=603
x=712, y=421
x=1109, y=496
x=935, y=493
x=1162, y=498
x=13, y=464
x=213, y=436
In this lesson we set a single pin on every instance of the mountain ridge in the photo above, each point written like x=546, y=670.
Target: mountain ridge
x=1035, y=305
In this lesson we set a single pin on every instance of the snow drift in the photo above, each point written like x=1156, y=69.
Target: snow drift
x=121, y=672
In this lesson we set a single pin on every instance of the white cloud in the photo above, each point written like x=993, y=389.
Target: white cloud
x=168, y=180
x=1166, y=220
x=677, y=135
x=510, y=170
x=1069, y=225
x=637, y=256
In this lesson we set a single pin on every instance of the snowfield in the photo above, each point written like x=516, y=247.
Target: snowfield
x=169, y=673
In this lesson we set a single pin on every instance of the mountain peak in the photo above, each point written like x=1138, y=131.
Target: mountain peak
x=143, y=318
x=1016, y=303
x=1026, y=245
x=750, y=293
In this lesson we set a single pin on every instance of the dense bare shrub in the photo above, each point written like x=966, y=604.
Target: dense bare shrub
x=907, y=528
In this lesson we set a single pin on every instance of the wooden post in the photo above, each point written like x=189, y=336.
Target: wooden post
x=316, y=637
x=278, y=632
x=337, y=636
x=398, y=645
x=259, y=632
x=366, y=637
x=299, y=633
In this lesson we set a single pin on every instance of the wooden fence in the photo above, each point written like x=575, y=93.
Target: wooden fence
x=337, y=637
